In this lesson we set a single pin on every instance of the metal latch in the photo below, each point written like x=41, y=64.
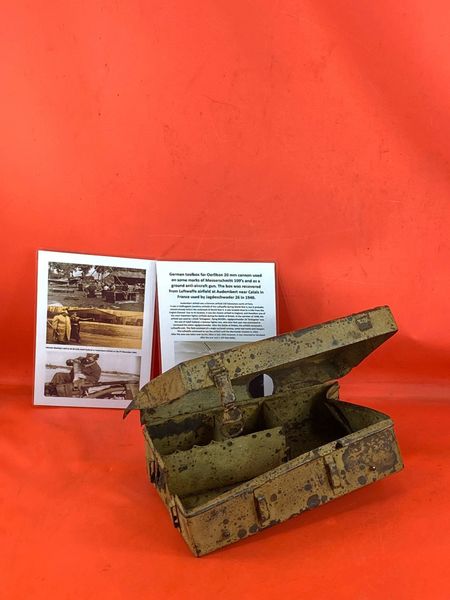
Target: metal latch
x=232, y=424
x=262, y=508
x=332, y=471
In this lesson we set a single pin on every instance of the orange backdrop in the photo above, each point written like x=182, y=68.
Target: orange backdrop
x=315, y=134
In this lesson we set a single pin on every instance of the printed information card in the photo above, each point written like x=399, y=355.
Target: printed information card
x=94, y=329
x=206, y=307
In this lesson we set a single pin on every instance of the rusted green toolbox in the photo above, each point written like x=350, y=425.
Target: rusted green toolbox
x=228, y=465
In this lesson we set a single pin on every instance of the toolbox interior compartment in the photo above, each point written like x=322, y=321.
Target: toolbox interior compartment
x=198, y=458
x=183, y=432
x=200, y=463
x=228, y=463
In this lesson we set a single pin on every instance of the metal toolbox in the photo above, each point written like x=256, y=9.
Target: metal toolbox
x=228, y=465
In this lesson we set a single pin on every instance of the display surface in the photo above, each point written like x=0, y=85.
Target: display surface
x=313, y=134
x=75, y=496
x=228, y=465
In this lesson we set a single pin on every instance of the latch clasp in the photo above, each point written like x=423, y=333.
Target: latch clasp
x=262, y=508
x=332, y=471
x=232, y=424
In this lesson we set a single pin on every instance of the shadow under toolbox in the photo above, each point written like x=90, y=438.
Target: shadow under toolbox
x=228, y=465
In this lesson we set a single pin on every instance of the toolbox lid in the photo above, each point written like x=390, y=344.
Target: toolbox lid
x=310, y=356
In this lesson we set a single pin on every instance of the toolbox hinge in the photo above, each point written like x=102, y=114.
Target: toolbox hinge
x=152, y=470
x=232, y=424
x=174, y=514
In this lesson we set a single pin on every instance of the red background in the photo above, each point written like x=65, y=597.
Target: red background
x=315, y=134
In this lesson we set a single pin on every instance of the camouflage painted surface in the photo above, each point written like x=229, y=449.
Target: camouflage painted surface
x=228, y=465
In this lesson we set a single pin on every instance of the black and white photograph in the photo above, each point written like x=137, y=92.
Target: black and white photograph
x=96, y=286
x=98, y=327
x=91, y=375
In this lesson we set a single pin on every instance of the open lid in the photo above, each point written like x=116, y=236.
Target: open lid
x=314, y=355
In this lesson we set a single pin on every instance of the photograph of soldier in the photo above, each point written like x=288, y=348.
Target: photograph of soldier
x=84, y=370
x=91, y=375
x=95, y=286
x=91, y=290
x=98, y=327
x=75, y=327
x=61, y=327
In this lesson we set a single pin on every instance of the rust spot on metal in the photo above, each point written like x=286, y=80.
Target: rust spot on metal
x=274, y=522
x=313, y=501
